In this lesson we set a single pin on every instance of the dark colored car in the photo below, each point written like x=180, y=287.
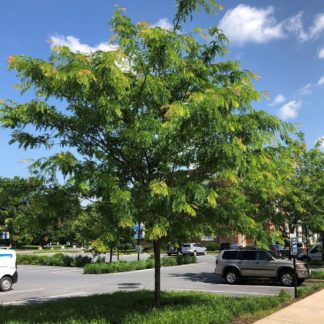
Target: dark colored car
x=172, y=250
x=279, y=250
x=224, y=246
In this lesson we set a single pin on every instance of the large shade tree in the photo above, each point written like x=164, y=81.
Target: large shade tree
x=161, y=124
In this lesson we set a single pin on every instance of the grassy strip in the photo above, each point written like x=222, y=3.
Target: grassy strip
x=303, y=292
x=307, y=290
x=138, y=307
x=58, y=259
x=316, y=262
x=122, y=266
x=317, y=275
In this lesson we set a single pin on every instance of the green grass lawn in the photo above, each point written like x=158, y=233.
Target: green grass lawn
x=138, y=307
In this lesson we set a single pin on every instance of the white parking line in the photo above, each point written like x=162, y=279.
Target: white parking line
x=21, y=291
x=66, y=295
x=226, y=291
x=60, y=271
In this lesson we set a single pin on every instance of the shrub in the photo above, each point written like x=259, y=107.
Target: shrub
x=58, y=259
x=186, y=259
x=122, y=266
x=212, y=246
x=317, y=275
x=147, y=248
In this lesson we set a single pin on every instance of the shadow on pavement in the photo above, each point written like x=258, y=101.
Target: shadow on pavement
x=210, y=277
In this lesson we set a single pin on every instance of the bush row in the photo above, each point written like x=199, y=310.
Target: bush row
x=58, y=259
x=122, y=266
x=317, y=275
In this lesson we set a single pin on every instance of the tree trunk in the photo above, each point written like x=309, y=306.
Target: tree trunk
x=157, y=273
x=111, y=254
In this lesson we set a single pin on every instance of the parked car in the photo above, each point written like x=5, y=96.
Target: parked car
x=279, y=250
x=301, y=248
x=314, y=253
x=172, y=250
x=193, y=249
x=228, y=246
x=236, y=264
x=8, y=269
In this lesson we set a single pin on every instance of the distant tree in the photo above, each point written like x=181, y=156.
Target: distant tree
x=162, y=126
x=34, y=212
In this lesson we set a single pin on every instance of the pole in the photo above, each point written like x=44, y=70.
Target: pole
x=295, y=275
x=139, y=240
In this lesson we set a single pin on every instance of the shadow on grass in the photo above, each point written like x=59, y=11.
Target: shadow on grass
x=138, y=308
x=108, y=308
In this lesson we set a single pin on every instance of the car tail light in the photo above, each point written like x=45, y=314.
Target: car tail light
x=16, y=264
x=216, y=260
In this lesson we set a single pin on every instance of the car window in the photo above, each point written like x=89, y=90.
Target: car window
x=230, y=255
x=315, y=249
x=248, y=255
x=186, y=245
x=261, y=255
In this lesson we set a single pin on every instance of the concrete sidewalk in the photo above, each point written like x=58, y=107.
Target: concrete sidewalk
x=309, y=310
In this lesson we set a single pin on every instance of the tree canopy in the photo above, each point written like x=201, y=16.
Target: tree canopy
x=162, y=128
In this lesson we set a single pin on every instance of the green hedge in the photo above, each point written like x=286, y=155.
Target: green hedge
x=212, y=246
x=317, y=275
x=122, y=266
x=58, y=259
x=317, y=262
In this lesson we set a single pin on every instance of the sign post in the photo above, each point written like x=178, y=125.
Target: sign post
x=293, y=244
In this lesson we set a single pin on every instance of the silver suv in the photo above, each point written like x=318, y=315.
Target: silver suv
x=254, y=263
x=193, y=249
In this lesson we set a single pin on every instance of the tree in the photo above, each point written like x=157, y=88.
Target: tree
x=160, y=126
x=35, y=212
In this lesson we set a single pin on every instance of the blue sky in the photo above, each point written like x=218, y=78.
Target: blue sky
x=282, y=41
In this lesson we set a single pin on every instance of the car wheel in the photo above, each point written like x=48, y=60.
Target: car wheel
x=194, y=253
x=169, y=254
x=287, y=278
x=5, y=284
x=300, y=281
x=232, y=276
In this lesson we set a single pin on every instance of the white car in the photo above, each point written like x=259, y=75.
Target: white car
x=315, y=253
x=8, y=269
x=193, y=249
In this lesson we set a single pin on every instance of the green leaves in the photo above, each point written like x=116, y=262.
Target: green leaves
x=159, y=188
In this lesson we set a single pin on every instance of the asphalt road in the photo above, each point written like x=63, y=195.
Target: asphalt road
x=40, y=283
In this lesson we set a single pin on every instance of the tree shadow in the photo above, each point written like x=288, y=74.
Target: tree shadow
x=212, y=278
x=205, y=277
x=108, y=308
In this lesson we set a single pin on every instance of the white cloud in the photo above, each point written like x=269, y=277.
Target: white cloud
x=306, y=89
x=163, y=23
x=278, y=100
x=244, y=24
x=318, y=26
x=321, y=53
x=289, y=110
x=321, y=81
x=75, y=45
x=295, y=26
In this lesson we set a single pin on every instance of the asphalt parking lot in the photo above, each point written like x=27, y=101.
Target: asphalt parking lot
x=41, y=283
